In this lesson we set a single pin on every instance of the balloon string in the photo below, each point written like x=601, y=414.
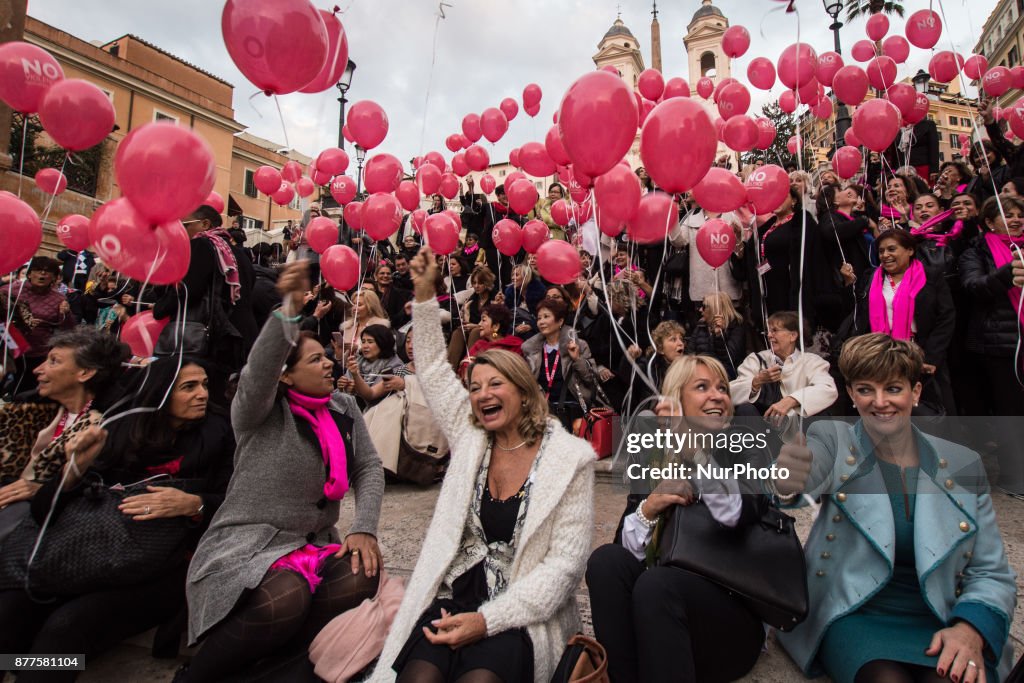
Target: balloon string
x=284, y=129
x=21, y=156
x=430, y=75
x=49, y=204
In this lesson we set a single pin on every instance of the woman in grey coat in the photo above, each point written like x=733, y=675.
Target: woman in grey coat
x=271, y=570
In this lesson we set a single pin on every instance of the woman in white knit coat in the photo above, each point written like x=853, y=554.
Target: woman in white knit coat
x=480, y=606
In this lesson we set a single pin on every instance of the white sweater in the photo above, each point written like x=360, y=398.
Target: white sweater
x=555, y=541
x=805, y=377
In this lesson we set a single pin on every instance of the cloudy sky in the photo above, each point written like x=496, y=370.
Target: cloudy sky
x=486, y=50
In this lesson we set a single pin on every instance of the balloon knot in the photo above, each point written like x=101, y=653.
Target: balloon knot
x=336, y=9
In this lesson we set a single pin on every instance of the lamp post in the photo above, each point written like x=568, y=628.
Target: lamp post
x=343, y=85
x=360, y=156
x=921, y=80
x=833, y=8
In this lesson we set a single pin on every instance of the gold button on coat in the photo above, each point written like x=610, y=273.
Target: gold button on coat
x=949, y=483
x=841, y=497
x=942, y=462
x=826, y=555
x=964, y=526
x=821, y=572
x=850, y=460
x=844, y=477
x=830, y=537
x=837, y=518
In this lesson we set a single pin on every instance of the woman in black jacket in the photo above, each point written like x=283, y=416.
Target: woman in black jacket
x=720, y=333
x=844, y=239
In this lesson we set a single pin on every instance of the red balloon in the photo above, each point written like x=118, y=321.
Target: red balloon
x=558, y=262
x=165, y=170
x=822, y=110
x=767, y=187
x=487, y=183
x=741, y=133
x=453, y=142
x=337, y=55
x=597, y=122
x=923, y=29
x=796, y=65
x=449, y=186
x=903, y=96
x=1016, y=120
x=129, y=244
x=522, y=196
x=305, y=187
x=477, y=158
x=617, y=193
x=896, y=47
x=765, y=133
x=471, y=127
x=279, y=45
x=367, y=123
x=881, y=72
x=828, y=64
x=141, y=331
x=678, y=144
x=343, y=189
x=332, y=160
x=267, y=179
x=73, y=231
x=534, y=159
x=535, y=233
x=863, y=50
x=846, y=162
x=656, y=214
x=455, y=216
x=733, y=100
x=429, y=179
x=715, y=242
x=610, y=225
x=321, y=177
x=761, y=73
x=383, y=173
x=215, y=201
x=1017, y=77
x=340, y=266
x=418, y=217
x=794, y=145
x=493, y=123
x=509, y=107
x=508, y=237
x=851, y=138
x=877, y=27
x=997, y=81
x=735, y=41
x=459, y=165
x=26, y=73
x=291, y=171
x=850, y=85
x=921, y=105
x=441, y=233
x=353, y=214
x=719, y=191
x=876, y=123
x=380, y=215
x=435, y=159
x=531, y=95
x=582, y=213
x=284, y=195
x=23, y=232
x=705, y=86
x=76, y=114
x=347, y=134
x=408, y=195
x=51, y=181
x=721, y=84
x=321, y=233
x=651, y=84
x=975, y=67
x=676, y=87
x=553, y=147
x=787, y=101
x=533, y=109
x=560, y=212
x=944, y=66
x=512, y=177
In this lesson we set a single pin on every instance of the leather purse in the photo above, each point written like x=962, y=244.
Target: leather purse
x=771, y=393
x=584, y=660
x=596, y=428
x=762, y=562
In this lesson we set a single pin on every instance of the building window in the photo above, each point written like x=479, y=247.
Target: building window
x=1013, y=58
x=707, y=65
x=250, y=183
x=954, y=140
x=627, y=44
x=251, y=223
x=296, y=203
x=161, y=116
x=953, y=121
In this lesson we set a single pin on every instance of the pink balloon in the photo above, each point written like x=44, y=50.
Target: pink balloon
x=1016, y=120
x=267, y=179
x=141, y=331
x=353, y=215
x=512, y=177
x=533, y=109
x=531, y=95
x=877, y=27
x=796, y=65
x=721, y=84
x=715, y=242
x=347, y=134
x=73, y=231
x=343, y=189
x=26, y=73
x=215, y=201
x=876, y=123
x=676, y=87
x=553, y=147
x=767, y=187
x=509, y=107
x=129, y=244
x=921, y=106
x=903, y=96
x=733, y=100
x=850, y=85
x=471, y=127
x=811, y=93
x=761, y=73
x=881, y=72
x=513, y=157
x=380, y=216
x=408, y=195
x=846, y=162
x=165, y=170
x=367, y=123
x=337, y=55
x=741, y=133
x=923, y=29
x=610, y=225
x=535, y=233
x=558, y=262
x=493, y=123
x=23, y=232
x=428, y=178
x=828, y=64
x=76, y=114
x=383, y=173
x=487, y=183
x=794, y=145
x=477, y=158
x=435, y=159
x=617, y=193
x=522, y=196
x=449, y=186
x=453, y=142
x=597, y=122
x=1017, y=77
x=975, y=67
x=51, y=181
x=705, y=86
x=321, y=233
x=787, y=101
x=507, y=236
x=997, y=81
x=340, y=266
x=656, y=214
x=441, y=233
x=851, y=138
x=304, y=187
x=582, y=213
x=534, y=159
x=279, y=45
x=765, y=133
x=678, y=144
x=455, y=216
x=719, y=125
x=720, y=191
x=735, y=41
x=321, y=178
x=896, y=47
x=651, y=84
x=863, y=50
x=291, y=171
x=944, y=66
x=560, y=212
x=284, y=195
x=822, y=110
x=418, y=218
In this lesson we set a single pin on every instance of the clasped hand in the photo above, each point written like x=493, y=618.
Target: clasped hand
x=456, y=630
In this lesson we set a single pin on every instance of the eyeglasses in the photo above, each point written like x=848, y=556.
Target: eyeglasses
x=194, y=220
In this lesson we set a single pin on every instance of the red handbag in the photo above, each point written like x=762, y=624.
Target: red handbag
x=596, y=427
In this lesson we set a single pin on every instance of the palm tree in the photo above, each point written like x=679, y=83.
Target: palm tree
x=857, y=8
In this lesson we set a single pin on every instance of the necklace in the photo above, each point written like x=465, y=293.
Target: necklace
x=513, y=448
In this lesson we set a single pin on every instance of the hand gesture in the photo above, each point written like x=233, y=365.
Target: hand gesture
x=292, y=284
x=959, y=647
x=797, y=458
x=394, y=383
x=85, y=446
x=352, y=365
x=1018, y=270
x=365, y=552
x=456, y=630
x=160, y=503
x=499, y=298
x=64, y=308
x=849, y=277
x=634, y=351
x=769, y=375
x=322, y=309
x=423, y=269
x=669, y=492
x=574, y=350
x=346, y=384
x=470, y=182
x=718, y=323
x=985, y=109
x=781, y=408
x=20, y=489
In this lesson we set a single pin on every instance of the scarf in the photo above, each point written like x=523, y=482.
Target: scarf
x=902, y=305
x=926, y=229
x=226, y=261
x=469, y=251
x=999, y=245
x=499, y=208
x=314, y=411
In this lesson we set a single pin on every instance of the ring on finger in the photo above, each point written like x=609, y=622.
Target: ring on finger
x=147, y=510
x=971, y=663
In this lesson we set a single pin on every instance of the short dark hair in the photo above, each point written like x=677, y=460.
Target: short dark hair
x=990, y=210
x=94, y=350
x=383, y=337
x=208, y=213
x=499, y=315
x=45, y=264
x=556, y=306
x=901, y=237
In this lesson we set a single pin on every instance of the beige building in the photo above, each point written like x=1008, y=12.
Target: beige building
x=1002, y=40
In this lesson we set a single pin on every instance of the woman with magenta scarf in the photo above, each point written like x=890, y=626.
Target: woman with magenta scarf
x=904, y=300
x=271, y=570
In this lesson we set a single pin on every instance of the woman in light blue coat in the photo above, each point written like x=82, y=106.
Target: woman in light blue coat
x=908, y=576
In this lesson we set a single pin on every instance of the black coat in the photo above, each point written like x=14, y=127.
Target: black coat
x=265, y=297
x=730, y=349
x=993, y=326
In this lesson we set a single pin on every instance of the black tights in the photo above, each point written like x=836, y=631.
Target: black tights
x=279, y=613
x=886, y=671
x=419, y=671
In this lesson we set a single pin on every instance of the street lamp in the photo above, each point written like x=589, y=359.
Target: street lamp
x=921, y=80
x=343, y=85
x=833, y=8
x=360, y=156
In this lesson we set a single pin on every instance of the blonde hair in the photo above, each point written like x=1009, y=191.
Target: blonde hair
x=719, y=303
x=682, y=371
x=664, y=330
x=527, y=272
x=880, y=358
x=810, y=187
x=373, y=307
x=533, y=420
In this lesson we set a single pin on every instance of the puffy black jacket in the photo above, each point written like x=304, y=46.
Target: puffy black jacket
x=993, y=326
x=730, y=348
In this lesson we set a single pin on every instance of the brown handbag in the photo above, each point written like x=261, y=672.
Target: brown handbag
x=583, y=661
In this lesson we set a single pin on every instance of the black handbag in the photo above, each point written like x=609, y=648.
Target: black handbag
x=91, y=545
x=771, y=393
x=202, y=325
x=762, y=563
